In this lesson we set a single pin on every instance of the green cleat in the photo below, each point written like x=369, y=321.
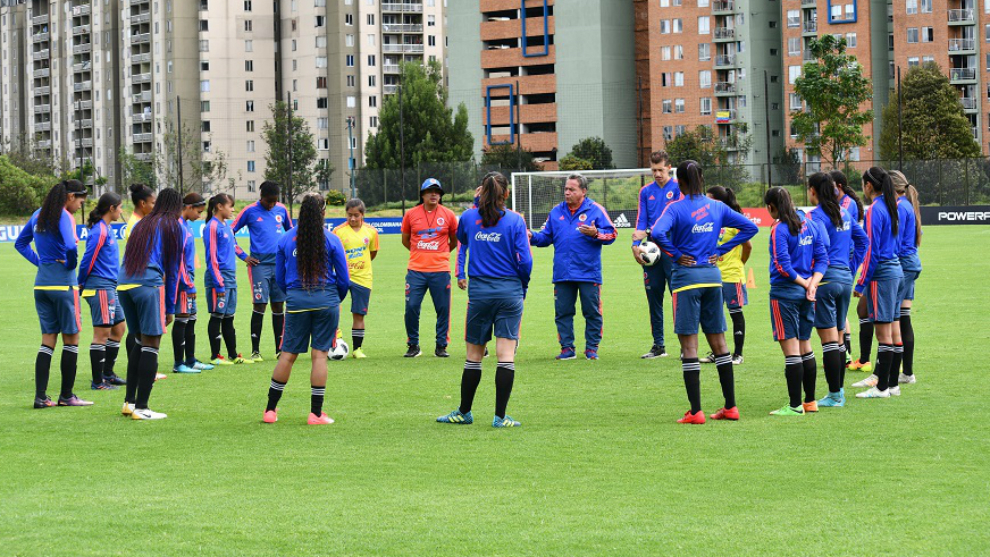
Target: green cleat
x=788, y=411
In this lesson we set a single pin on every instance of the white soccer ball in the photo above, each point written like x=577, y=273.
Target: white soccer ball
x=340, y=351
x=650, y=252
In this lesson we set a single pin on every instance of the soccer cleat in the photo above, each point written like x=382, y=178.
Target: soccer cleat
x=737, y=359
x=160, y=376
x=113, y=379
x=874, y=392
x=906, y=379
x=505, y=422
x=271, y=416
x=73, y=401
x=183, y=368
x=591, y=354
x=788, y=411
x=358, y=354
x=861, y=366
x=147, y=414
x=441, y=352
x=690, y=418
x=413, y=351
x=256, y=357
x=322, y=419
x=894, y=391
x=655, y=352
x=457, y=418
x=709, y=359
x=102, y=386
x=810, y=406
x=870, y=381
x=833, y=400
x=241, y=360
x=221, y=361
x=127, y=409
x=202, y=366
x=43, y=402
x=727, y=414
x=566, y=354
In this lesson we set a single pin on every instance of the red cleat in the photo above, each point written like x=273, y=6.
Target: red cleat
x=689, y=418
x=727, y=414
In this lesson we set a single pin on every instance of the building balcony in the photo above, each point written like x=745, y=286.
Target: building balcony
x=82, y=86
x=143, y=157
x=81, y=29
x=40, y=54
x=42, y=108
x=85, y=123
x=723, y=6
x=961, y=17
x=969, y=103
x=141, y=38
x=962, y=74
x=82, y=67
x=808, y=56
x=40, y=37
x=390, y=89
x=141, y=78
x=43, y=127
x=80, y=10
x=725, y=115
x=42, y=91
x=810, y=27
x=513, y=57
x=403, y=48
x=535, y=142
x=44, y=144
x=84, y=48
x=403, y=7
x=392, y=68
x=725, y=88
x=402, y=28
x=725, y=34
x=723, y=61
x=85, y=142
x=141, y=58
x=83, y=105
x=39, y=20
x=809, y=3
x=141, y=18
x=43, y=72
x=962, y=45
x=140, y=117
x=509, y=29
x=142, y=97
x=540, y=113
x=142, y=137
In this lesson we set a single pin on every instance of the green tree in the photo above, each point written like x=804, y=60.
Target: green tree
x=570, y=162
x=934, y=124
x=595, y=151
x=788, y=165
x=23, y=153
x=135, y=170
x=291, y=161
x=201, y=170
x=834, y=91
x=509, y=156
x=433, y=133
x=20, y=191
x=701, y=145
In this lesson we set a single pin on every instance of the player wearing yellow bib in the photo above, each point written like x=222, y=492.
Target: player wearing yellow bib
x=733, y=268
x=361, y=247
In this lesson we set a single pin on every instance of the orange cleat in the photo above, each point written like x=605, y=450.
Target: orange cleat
x=322, y=419
x=271, y=416
x=810, y=406
x=727, y=414
x=689, y=418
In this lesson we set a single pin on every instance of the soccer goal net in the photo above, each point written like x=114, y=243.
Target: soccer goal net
x=534, y=194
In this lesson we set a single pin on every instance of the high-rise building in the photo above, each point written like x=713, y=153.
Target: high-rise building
x=14, y=70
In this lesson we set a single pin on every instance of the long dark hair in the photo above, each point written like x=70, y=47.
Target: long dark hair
x=725, y=195
x=780, y=198
x=52, y=207
x=163, y=221
x=491, y=201
x=824, y=187
x=216, y=200
x=880, y=180
x=843, y=184
x=311, y=242
x=690, y=178
x=107, y=201
x=904, y=187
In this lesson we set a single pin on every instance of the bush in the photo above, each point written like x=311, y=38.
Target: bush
x=336, y=198
x=570, y=162
x=20, y=192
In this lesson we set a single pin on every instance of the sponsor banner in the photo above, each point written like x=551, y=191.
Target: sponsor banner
x=624, y=220
x=974, y=214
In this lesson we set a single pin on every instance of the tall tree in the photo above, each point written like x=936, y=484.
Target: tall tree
x=201, y=170
x=835, y=91
x=595, y=151
x=21, y=191
x=701, y=145
x=509, y=157
x=933, y=124
x=293, y=164
x=135, y=171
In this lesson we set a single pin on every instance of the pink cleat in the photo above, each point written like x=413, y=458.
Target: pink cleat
x=322, y=419
x=271, y=416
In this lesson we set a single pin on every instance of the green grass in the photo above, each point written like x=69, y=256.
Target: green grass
x=599, y=466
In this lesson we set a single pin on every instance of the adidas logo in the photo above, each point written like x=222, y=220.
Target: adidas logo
x=621, y=221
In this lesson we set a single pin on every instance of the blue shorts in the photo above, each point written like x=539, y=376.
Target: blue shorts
x=221, y=305
x=360, y=299
x=185, y=303
x=263, y=285
x=698, y=306
x=735, y=295
x=320, y=325
x=144, y=309
x=502, y=314
x=791, y=318
x=882, y=302
x=906, y=291
x=58, y=311
x=104, y=307
x=832, y=305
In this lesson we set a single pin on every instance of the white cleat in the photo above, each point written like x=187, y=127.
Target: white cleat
x=870, y=381
x=894, y=391
x=906, y=379
x=874, y=392
x=147, y=414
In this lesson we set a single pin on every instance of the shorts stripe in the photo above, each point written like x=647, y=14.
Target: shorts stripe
x=75, y=304
x=778, y=323
x=161, y=306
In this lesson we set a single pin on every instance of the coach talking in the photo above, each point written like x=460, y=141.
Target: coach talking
x=577, y=229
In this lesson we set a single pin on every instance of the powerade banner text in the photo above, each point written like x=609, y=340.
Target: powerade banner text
x=973, y=214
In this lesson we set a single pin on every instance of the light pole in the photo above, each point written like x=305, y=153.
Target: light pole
x=350, y=162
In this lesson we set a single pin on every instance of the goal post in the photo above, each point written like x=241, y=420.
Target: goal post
x=534, y=194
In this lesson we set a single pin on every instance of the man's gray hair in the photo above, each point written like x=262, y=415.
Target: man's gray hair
x=581, y=180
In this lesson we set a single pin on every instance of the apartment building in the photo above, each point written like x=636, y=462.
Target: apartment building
x=13, y=65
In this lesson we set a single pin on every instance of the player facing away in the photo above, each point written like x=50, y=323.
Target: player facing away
x=909, y=239
x=52, y=228
x=733, y=268
x=360, y=242
x=653, y=199
x=499, y=266
x=847, y=243
x=147, y=291
x=850, y=201
x=266, y=220
x=688, y=232
x=184, y=328
x=97, y=279
x=429, y=232
x=311, y=268
x=880, y=282
x=577, y=229
x=221, y=279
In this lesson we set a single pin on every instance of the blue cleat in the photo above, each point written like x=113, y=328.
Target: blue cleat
x=103, y=386
x=456, y=418
x=202, y=366
x=833, y=400
x=566, y=354
x=591, y=353
x=183, y=368
x=505, y=422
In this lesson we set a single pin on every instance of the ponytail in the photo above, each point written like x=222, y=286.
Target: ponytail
x=311, y=242
x=139, y=193
x=52, y=207
x=903, y=187
x=780, y=198
x=106, y=203
x=824, y=188
x=491, y=200
x=216, y=200
x=725, y=195
x=881, y=182
x=690, y=178
x=843, y=184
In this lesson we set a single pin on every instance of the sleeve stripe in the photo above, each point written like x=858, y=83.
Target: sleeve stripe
x=96, y=252
x=776, y=262
x=214, y=263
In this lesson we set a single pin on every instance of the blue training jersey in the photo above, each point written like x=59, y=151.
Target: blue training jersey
x=653, y=199
x=501, y=261
x=265, y=227
x=796, y=255
x=692, y=226
x=850, y=205
x=576, y=256
x=221, y=248
x=102, y=256
x=187, y=267
x=907, y=232
x=155, y=273
x=58, y=251
x=286, y=265
x=846, y=245
x=884, y=246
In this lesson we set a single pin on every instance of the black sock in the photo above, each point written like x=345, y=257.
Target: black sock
x=316, y=399
x=469, y=384
x=810, y=375
x=692, y=382
x=833, y=361
x=274, y=395
x=213, y=329
x=190, y=343
x=130, y=341
x=278, y=326
x=179, y=340
x=794, y=372
x=847, y=338
x=885, y=353
x=738, y=331
x=895, y=365
x=357, y=338
x=70, y=356
x=505, y=375
x=865, y=340
x=133, y=372
x=257, y=320
x=229, y=336
x=42, y=369
x=97, y=357
x=726, y=377
x=842, y=370
x=113, y=347
x=907, y=335
x=147, y=369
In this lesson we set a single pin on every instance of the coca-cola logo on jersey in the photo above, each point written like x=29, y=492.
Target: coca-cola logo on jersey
x=488, y=237
x=428, y=246
x=702, y=228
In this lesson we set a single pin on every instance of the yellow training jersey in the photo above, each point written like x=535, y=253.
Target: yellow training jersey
x=131, y=223
x=731, y=263
x=358, y=246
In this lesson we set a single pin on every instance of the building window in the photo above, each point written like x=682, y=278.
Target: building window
x=668, y=106
x=251, y=185
x=351, y=81
x=677, y=25
x=371, y=81
x=373, y=121
x=247, y=5
x=372, y=60
x=349, y=60
x=926, y=6
x=373, y=101
x=204, y=25
x=793, y=18
x=851, y=40
x=679, y=130
x=249, y=65
x=704, y=52
x=205, y=126
x=204, y=46
x=665, y=53
x=204, y=86
x=913, y=61
x=249, y=106
x=703, y=25
x=705, y=79
x=348, y=19
x=668, y=133
x=679, y=106
x=250, y=166
x=249, y=126
x=348, y=40
x=320, y=21
x=666, y=79
x=678, y=52
x=794, y=46
x=706, y=106
x=204, y=65
x=249, y=85
x=248, y=26
x=793, y=72
x=250, y=146
x=321, y=102
x=911, y=7
x=321, y=82
x=912, y=35
x=204, y=106
x=678, y=79
x=248, y=46
x=795, y=101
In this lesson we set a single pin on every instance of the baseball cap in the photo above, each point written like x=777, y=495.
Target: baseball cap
x=429, y=184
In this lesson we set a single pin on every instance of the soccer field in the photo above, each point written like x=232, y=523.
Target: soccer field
x=599, y=466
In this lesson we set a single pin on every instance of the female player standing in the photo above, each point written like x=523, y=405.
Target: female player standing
x=499, y=266
x=733, y=268
x=798, y=261
x=880, y=280
x=147, y=290
x=845, y=237
x=361, y=246
x=53, y=230
x=688, y=232
x=850, y=201
x=909, y=239
x=98, y=272
x=311, y=268
x=143, y=200
x=184, y=329
x=221, y=279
